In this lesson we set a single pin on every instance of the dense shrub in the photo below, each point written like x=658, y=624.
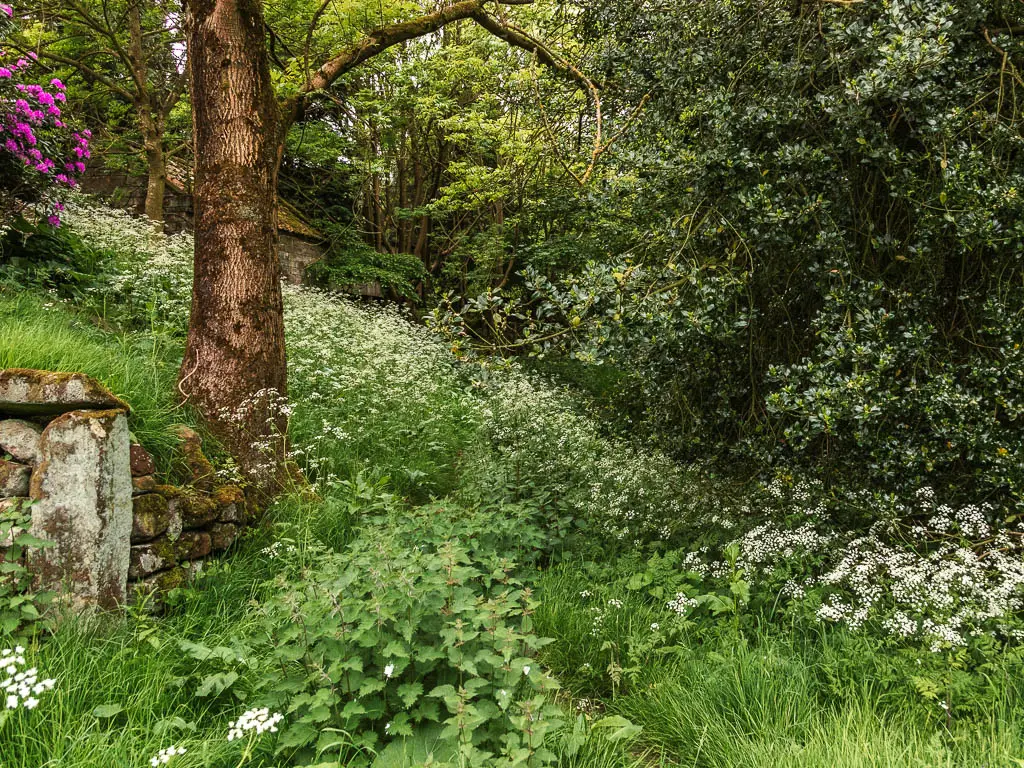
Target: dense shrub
x=827, y=265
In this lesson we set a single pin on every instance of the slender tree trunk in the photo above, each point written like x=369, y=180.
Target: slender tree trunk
x=151, y=127
x=234, y=365
x=156, y=185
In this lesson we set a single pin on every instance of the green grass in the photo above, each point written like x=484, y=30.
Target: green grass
x=140, y=368
x=136, y=662
x=795, y=696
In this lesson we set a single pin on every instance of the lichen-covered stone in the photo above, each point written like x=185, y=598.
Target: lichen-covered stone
x=25, y=392
x=20, y=439
x=14, y=478
x=222, y=536
x=197, y=510
x=82, y=487
x=163, y=554
x=151, y=516
x=191, y=447
x=141, y=461
x=147, y=559
x=144, y=484
x=230, y=501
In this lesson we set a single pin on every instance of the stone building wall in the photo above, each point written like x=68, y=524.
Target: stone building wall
x=295, y=254
x=123, y=190
x=114, y=528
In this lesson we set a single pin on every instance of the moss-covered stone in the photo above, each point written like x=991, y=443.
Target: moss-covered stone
x=222, y=536
x=191, y=447
x=168, y=491
x=25, y=392
x=151, y=516
x=163, y=554
x=144, y=484
x=230, y=501
x=197, y=509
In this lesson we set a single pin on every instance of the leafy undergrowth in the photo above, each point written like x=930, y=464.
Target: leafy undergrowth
x=481, y=577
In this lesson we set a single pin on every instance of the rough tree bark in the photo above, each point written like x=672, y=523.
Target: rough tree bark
x=235, y=347
x=156, y=178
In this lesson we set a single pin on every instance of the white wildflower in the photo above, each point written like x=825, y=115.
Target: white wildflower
x=165, y=755
x=257, y=720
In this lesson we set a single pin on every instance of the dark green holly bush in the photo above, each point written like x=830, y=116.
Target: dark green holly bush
x=826, y=268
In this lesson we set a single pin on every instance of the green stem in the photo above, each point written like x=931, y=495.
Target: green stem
x=247, y=752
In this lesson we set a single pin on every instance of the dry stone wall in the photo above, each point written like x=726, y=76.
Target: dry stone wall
x=115, y=529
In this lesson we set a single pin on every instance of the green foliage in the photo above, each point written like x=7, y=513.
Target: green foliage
x=20, y=606
x=780, y=693
x=350, y=262
x=822, y=264
x=881, y=388
x=421, y=623
x=39, y=257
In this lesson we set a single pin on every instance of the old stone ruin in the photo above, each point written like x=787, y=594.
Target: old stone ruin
x=115, y=529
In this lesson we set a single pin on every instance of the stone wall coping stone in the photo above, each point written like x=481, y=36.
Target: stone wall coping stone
x=26, y=392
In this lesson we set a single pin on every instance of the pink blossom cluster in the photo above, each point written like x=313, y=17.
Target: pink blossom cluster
x=32, y=128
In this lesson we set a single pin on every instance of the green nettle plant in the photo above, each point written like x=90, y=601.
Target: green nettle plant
x=19, y=604
x=426, y=646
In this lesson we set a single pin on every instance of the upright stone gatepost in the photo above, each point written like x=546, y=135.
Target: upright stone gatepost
x=80, y=486
x=83, y=492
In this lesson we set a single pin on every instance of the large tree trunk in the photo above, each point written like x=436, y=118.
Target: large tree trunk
x=234, y=365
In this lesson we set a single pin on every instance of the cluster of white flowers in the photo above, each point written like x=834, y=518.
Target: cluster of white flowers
x=165, y=755
x=941, y=596
x=254, y=720
x=681, y=604
x=933, y=573
x=763, y=546
x=597, y=620
x=373, y=360
x=697, y=562
x=152, y=271
x=22, y=686
x=630, y=493
x=370, y=374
